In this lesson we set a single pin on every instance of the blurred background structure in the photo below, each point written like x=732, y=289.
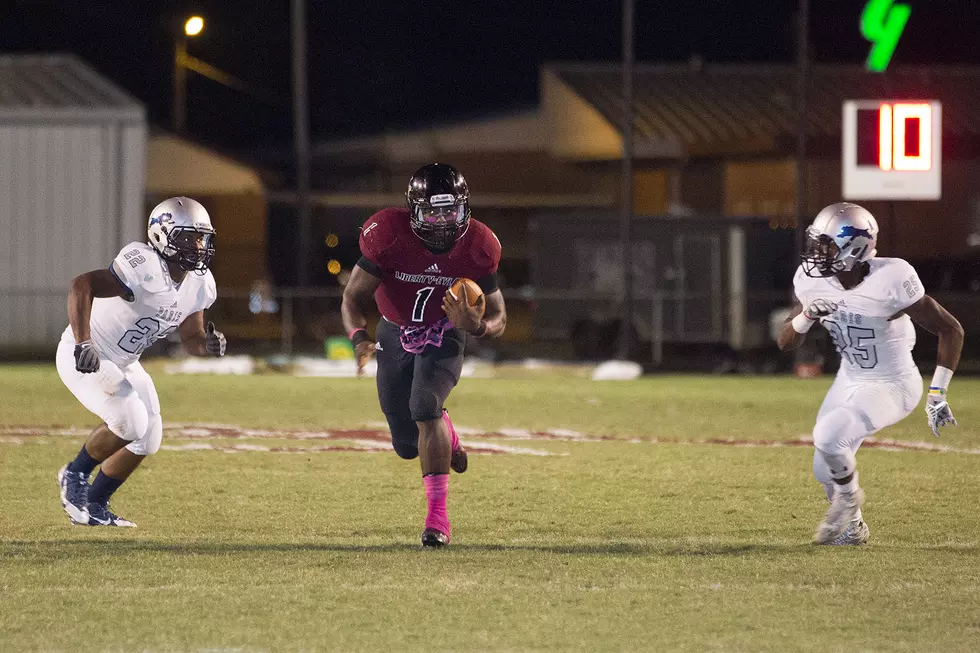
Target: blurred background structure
x=104, y=113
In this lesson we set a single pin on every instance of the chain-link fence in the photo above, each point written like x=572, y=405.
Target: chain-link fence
x=712, y=330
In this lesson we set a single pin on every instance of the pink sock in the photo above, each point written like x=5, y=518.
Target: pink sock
x=436, y=489
x=452, y=430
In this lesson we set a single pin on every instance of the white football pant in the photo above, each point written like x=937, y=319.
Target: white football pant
x=124, y=398
x=853, y=410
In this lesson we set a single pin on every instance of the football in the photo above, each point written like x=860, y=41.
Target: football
x=473, y=292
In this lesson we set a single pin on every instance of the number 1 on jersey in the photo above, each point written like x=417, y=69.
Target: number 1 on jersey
x=421, y=297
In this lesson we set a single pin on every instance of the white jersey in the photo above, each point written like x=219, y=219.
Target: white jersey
x=872, y=346
x=121, y=328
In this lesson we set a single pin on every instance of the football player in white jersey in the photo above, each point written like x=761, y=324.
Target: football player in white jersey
x=149, y=291
x=868, y=305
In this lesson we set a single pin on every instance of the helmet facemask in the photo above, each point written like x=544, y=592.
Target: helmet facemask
x=820, y=255
x=191, y=249
x=441, y=220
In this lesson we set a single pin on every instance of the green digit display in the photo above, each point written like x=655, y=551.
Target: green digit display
x=882, y=23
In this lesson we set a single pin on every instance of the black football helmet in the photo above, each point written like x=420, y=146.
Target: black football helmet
x=438, y=201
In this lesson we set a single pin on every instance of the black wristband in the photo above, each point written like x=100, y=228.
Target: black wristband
x=481, y=330
x=358, y=337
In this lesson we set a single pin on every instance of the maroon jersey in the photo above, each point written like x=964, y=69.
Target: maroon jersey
x=413, y=279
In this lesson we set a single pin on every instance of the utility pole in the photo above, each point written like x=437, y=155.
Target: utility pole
x=626, y=208
x=301, y=140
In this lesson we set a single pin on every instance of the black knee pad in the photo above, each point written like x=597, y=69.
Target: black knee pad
x=425, y=405
x=404, y=437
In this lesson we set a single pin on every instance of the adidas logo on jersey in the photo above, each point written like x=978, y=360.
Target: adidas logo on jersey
x=433, y=269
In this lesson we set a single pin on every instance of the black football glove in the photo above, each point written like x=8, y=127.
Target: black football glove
x=86, y=358
x=214, y=341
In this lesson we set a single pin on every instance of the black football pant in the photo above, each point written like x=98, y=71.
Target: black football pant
x=413, y=387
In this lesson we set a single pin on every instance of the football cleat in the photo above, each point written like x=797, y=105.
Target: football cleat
x=856, y=534
x=843, y=510
x=74, y=494
x=99, y=515
x=434, y=538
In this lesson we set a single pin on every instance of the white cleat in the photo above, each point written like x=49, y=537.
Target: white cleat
x=843, y=510
x=856, y=534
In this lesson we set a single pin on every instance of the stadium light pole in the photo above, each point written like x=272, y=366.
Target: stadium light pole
x=802, y=85
x=184, y=62
x=301, y=139
x=626, y=208
x=192, y=27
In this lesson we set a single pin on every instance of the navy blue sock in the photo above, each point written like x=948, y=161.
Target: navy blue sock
x=102, y=488
x=83, y=463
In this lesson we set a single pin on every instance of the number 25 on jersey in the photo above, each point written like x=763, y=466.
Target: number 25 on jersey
x=852, y=344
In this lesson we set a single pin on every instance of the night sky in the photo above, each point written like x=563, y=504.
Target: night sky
x=378, y=64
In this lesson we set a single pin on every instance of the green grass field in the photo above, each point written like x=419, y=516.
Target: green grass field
x=273, y=542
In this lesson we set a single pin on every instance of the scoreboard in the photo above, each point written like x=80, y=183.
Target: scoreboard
x=891, y=150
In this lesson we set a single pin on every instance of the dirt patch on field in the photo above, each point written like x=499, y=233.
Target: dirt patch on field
x=228, y=439
x=223, y=437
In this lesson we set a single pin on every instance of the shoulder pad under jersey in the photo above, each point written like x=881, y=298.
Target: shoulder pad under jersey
x=381, y=233
x=140, y=269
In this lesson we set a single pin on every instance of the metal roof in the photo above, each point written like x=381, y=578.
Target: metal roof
x=723, y=106
x=60, y=86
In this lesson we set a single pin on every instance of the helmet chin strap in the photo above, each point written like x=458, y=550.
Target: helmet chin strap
x=856, y=257
x=852, y=276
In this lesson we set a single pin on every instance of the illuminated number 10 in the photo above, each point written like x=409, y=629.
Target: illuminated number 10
x=894, y=141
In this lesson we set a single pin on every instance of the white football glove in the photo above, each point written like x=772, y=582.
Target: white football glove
x=819, y=308
x=938, y=412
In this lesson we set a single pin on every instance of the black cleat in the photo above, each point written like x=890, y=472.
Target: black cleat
x=459, y=461
x=433, y=538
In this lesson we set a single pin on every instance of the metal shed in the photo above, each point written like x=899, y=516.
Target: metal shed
x=72, y=170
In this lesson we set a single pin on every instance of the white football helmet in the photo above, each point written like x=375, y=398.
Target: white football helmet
x=180, y=231
x=841, y=236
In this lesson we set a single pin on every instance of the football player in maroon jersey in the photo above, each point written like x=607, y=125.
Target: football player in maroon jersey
x=410, y=257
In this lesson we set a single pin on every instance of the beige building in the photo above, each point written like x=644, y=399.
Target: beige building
x=713, y=140
x=232, y=192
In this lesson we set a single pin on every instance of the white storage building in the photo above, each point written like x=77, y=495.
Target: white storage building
x=72, y=176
